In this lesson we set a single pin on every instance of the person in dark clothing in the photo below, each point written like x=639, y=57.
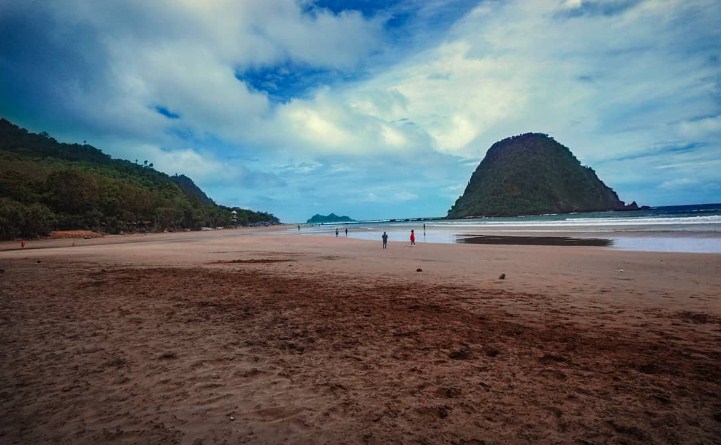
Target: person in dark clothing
x=385, y=240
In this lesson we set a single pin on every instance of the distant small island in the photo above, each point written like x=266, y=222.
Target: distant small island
x=332, y=218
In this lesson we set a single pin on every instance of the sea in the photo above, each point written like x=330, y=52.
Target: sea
x=683, y=228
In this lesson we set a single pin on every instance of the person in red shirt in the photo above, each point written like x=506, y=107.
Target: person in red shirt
x=413, y=238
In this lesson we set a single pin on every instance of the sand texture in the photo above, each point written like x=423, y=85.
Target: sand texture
x=251, y=337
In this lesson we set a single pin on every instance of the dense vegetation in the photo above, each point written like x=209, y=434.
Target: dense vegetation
x=533, y=174
x=46, y=185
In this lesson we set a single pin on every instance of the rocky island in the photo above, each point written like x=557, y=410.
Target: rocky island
x=532, y=174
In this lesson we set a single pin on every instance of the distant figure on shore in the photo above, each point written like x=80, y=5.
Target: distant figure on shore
x=299, y=228
x=336, y=232
x=413, y=238
x=22, y=244
x=385, y=240
x=346, y=231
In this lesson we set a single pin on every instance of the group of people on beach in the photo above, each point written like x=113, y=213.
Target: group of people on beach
x=384, y=237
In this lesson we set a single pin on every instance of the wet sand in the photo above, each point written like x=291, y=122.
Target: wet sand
x=518, y=240
x=257, y=337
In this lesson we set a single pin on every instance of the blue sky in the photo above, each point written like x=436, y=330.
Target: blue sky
x=373, y=109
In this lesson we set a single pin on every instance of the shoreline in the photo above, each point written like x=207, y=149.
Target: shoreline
x=707, y=242
x=638, y=240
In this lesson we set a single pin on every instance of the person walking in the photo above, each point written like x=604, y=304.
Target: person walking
x=385, y=240
x=336, y=232
x=413, y=238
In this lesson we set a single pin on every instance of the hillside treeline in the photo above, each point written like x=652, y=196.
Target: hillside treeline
x=46, y=185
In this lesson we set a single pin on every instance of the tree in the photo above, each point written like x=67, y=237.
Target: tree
x=71, y=191
x=38, y=221
x=11, y=218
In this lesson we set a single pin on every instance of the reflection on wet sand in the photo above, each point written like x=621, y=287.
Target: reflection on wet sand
x=533, y=240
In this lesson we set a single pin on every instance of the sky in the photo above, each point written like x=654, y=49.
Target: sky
x=369, y=108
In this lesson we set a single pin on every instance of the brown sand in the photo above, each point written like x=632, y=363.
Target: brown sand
x=245, y=337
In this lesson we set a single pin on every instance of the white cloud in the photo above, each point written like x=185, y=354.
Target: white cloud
x=393, y=137
x=571, y=4
x=678, y=183
x=505, y=68
x=237, y=32
x=185, y=55
x=707, y=126
x=304, y=167
x=336, y=122
x=202, y=167
x=193, y=164
x=404, y=196
x=316, y=128
x=383, y=194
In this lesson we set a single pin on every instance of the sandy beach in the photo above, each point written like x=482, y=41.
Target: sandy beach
x=261, y=336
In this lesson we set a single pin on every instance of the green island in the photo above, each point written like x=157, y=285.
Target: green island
x=326, y=219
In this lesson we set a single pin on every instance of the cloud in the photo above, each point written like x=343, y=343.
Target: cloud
x=578, y=8
x=303, y=167
x=700, y=127
x=188, y=162
x=678, y=183
x=317, y=128
x=370, y=102
x=404, y=196
x=201, y=166
x=121, y=59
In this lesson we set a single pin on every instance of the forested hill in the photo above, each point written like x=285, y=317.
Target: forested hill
x=191, y=190
x=46, y=185
x=533, y=174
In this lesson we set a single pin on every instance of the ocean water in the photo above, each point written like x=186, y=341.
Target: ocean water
x=686, y=228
